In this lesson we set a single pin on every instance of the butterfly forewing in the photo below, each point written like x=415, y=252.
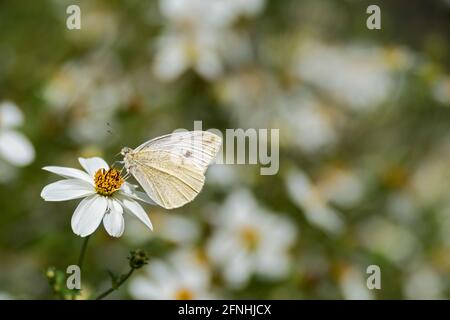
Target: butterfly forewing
x=171, y=168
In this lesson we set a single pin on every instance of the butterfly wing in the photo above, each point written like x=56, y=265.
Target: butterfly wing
x=171, y=169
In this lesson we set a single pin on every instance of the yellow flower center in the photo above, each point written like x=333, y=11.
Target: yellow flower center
x=250, y=237
x=184, y=294
x=201, y=257
x=107, y=181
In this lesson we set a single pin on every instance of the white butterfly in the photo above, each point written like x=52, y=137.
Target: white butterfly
x=171, y=168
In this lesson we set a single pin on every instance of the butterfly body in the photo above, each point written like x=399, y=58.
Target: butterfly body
x=171, y=168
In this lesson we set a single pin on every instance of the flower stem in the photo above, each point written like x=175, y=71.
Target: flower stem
x=80, y=261
x=83, y=252
x=123, y=278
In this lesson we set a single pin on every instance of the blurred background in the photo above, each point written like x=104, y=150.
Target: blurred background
x=364, y=123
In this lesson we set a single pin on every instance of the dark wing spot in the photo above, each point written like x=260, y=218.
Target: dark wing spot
x=187, y=154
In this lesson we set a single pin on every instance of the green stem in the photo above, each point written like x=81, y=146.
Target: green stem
x=83, y=252
x=122, y=280
x=81, y=259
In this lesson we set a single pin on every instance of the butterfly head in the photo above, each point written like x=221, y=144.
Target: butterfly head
x=125, y=151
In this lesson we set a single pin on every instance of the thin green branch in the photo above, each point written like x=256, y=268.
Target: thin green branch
x=83, y=252
x=123, y=278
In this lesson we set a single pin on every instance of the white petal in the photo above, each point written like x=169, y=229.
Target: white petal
x=142, y=288
x=88, y=215
x=128, y=190
x=16, y=148
x=238, y=269
x=92, y=165
x=66, y=190
x=209, y=65
x=135, y=208
x=113, y=219
x=272, y=263
x=69, y=173
x=10, y=115
x=170, y=60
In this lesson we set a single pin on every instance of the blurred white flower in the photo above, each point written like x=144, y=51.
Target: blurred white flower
x=178, y=229
x=309, y=199
x=176, y=52
x=353, y=284
x=190, y=40
x=256, y=99
x=185, y=275
x=394, y=241
x=208, y=13
x=196, y=33
x=441, y=90
x=358, y=77
x=248, y=239
x=105, y=197
x=340, y=185
x=423, y=282
x=90, y=91
x=224, y=175
x=247, y=8
x=192, y=12
x=430, y=181
x=403, y=207
x=174, y=228
x=306, y=123
x=15, y=148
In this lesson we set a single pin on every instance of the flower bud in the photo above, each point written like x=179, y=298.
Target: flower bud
x=138, y=258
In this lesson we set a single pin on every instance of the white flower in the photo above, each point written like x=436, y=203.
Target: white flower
x=199, y=35
x=306, y=196
x=176, y=229
x=224, y=176
x=353, y=284
x=308, y=124
x=395, y=241
x=209, y=13
x=184, y=276
x=14, y=146
x=250, y=240
x=91, y=90
x=423, y=282
x=341, y=186
x=105, y=197
x=191, y=40
x=429, y=181
x=179, y=51
x=357, y=76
